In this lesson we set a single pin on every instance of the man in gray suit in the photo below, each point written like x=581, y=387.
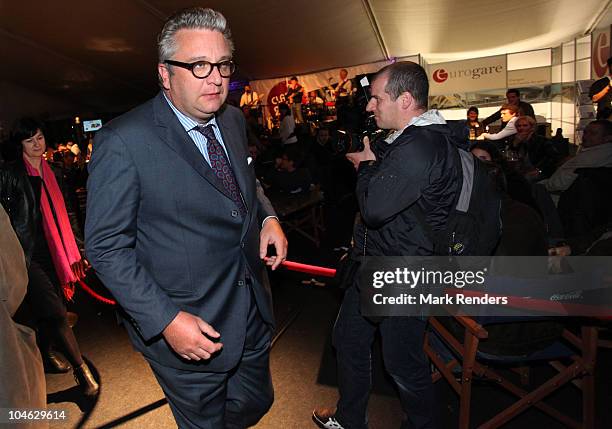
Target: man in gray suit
x=177, y=228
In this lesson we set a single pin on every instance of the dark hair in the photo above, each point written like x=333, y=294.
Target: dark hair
x=604, y=124
x=284, y=107
x=473, y=109
x=58, y=156
x=491, y=149
x=25, y=128
x=406, y=76
x=294, y=154
x=610, y=62
x=293, y=78
x=514, y=91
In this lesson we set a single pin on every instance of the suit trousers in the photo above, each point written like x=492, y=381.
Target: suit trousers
x=234, y=399
x=404, y=359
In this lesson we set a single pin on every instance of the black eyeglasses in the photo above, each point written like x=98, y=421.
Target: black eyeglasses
x=203, y=69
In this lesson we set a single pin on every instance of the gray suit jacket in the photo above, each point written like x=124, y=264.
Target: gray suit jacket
x=163, y=235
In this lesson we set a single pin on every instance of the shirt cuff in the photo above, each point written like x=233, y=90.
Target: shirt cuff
x=268, y=217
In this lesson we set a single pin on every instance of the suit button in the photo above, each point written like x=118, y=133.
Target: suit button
x=240, y=282
x=234, y=213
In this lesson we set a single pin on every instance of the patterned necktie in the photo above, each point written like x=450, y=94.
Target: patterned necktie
x=221, y=166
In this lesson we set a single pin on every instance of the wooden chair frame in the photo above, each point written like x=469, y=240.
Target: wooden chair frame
x=580, y=372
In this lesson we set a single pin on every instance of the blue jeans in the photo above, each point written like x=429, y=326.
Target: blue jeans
x=404, y=359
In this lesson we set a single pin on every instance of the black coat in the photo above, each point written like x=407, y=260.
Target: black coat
x=406, y=195
x=19, y=201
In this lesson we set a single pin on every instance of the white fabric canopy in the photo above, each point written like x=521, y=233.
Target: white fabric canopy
x=102, y=53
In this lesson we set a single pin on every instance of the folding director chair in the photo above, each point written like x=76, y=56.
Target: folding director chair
x=572, y=355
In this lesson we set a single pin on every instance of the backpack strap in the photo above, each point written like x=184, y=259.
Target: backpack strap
x=466, y=163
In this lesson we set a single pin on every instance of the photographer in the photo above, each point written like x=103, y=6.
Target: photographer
x=405, y=188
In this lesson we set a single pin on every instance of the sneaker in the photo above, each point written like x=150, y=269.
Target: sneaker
x=325, y=418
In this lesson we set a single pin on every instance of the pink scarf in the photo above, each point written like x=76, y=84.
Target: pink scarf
x=59, y=236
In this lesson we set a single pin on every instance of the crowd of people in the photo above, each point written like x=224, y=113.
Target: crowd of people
x=179, y=221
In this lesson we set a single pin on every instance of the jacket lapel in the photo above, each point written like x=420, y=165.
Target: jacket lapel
x=176, y=138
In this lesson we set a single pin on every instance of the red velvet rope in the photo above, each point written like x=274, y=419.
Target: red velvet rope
x=95, y=295
x=519, y=302
x=309, y=269
x=292, y=266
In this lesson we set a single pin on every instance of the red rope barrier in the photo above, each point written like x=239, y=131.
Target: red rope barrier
x=309, y=269
x=95, y=295
x=517, y=302
x=292, y=266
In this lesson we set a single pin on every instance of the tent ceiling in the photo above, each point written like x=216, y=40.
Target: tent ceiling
x=101, y=53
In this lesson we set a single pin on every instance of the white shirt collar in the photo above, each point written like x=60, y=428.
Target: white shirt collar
x=188, y=123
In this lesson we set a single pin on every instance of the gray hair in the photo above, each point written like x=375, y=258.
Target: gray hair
x=192, y=18
x=406, y=76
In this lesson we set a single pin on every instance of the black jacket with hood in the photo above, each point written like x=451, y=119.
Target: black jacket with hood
x=406, y=195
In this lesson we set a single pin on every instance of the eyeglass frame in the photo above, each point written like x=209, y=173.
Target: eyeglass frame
x=191, y=66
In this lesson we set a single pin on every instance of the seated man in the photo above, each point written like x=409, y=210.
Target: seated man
x=472, y=122
x=508, y=116
x=314, y=99
x=537, y=155
x=596, y=151
x=289, y=176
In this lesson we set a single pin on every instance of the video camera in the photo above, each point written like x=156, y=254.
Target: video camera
x=351, y=140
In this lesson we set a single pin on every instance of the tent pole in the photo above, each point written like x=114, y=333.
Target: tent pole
x=379, y=37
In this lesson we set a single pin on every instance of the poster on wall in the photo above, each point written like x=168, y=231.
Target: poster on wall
x=600, y=52
x=537, y=76
x=467, y=75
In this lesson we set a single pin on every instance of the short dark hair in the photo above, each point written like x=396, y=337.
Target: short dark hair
x=514, y=91
x=605, y=124
x=25, y=128
x=294, y=154
x=284, y=107
x=473, y=109
x=293, y=78
x=406, y=76
x=490, y=148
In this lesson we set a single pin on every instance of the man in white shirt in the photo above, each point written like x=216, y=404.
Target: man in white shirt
x=509, y=115
x=249, y=97
x=596, y=151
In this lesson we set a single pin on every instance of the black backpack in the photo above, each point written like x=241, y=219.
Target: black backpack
x=474, y=226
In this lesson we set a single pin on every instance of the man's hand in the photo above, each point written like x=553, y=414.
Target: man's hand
x=187, y=335
x=365, y=155
x=272, y=233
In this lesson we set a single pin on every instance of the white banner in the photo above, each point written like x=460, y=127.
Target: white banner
x=529, y=77
x=271, y=91
x=600, y=52
x=467, y=75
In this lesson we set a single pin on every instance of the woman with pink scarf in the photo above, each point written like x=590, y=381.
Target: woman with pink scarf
x=33, y=200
